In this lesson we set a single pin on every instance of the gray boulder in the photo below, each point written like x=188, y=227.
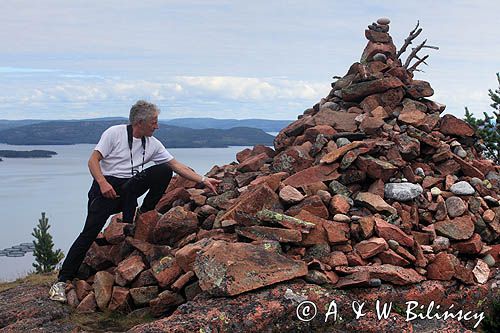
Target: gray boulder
x=402, y=191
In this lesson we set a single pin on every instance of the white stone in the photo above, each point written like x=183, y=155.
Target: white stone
x=481, y=272
x=462, y=188
x=436, y=191
x=384, y=21
x=341, y=218
x=420, y=172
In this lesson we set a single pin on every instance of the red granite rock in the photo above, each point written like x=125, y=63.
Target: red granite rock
x=374, y=202
x=249, y=203
x=165, y=302
x=120, y=299
x=310, y=134
x=367, y=225
x=371, y=125
x=273, y=180
x=451, y=125
x=128, y=270
x=360, y=90
x=115, y=232
x=262, y=233
x=340, y=121
x=103, y=288
x=371, y=247
x=474, y=245
x=335, y=258
x=141, y=296
x=459, y=228
x=144, y=279
x=376, y=36
x=290, y=195
x=170, y=197
x=316, y=235
x=389, y=231
x=174, y=225
x=82, y=289
x=98, y=257
x=467, y=168
x=182, y=281
x=339, y=204
x=145, y=225
x=356, y=279
x=312, y=204
x=336, y=232
x=242, y=267
x=292, y=159
x=337, y=153
x=150, y=251
x=72, y=298
x=412, y=117
x=376, y=168
x=373, y=48
x=318, y=173
x=243, y=155
x=166, y=271
x=253, y=163
x=419, y=89
x=489, y=216
x=88, y=304
x=186, y=255
x=441, y=268
x=390, y=273
x=391, y=257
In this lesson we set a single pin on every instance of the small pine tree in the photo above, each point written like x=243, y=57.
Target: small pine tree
x=46, y=258
x=488, y=129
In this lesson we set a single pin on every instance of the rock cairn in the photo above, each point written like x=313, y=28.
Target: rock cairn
x=369, y=186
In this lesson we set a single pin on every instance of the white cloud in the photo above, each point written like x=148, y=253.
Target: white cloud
x=253, y=89
x=218, y=87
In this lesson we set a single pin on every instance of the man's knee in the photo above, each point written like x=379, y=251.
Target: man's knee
x=162, y=173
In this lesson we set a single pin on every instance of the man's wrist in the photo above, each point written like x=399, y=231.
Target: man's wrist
x=203, y=178
x=101, y=181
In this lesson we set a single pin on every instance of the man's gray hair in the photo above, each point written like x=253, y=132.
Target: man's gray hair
x=142, y=111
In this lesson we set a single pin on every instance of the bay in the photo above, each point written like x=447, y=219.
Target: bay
x=58, y=186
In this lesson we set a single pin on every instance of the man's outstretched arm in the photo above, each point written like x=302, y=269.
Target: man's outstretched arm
x=95, y=170
x=187, y=172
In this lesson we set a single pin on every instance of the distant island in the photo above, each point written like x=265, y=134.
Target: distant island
x=26, y=153
x=68, y=132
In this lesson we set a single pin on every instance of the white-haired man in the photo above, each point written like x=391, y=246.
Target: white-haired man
x=117, y=166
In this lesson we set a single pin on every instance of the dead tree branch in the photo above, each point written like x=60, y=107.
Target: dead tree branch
x=413, y=34
x=414, y=51
x=414, y=67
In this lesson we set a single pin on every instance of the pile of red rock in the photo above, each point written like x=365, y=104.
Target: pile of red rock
x=369, y=186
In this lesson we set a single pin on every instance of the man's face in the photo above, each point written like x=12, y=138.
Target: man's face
x=149, y=126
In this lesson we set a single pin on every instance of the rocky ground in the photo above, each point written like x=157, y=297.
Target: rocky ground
x=26, y=308
x=369, y=195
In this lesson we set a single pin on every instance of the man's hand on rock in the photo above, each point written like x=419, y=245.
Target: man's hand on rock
x=211, y=183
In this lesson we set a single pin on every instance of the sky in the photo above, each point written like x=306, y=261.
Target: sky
x=226, y=59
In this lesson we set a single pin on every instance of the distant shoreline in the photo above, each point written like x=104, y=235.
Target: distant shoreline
x=26, y=153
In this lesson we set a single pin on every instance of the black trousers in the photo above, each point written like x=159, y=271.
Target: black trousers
x=155, y=179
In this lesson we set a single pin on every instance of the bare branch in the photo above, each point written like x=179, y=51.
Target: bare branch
x=414, y=67
x=431, y=47
x=413, y=34
x=418, y=58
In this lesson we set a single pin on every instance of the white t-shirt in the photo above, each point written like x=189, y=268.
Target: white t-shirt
x=115, y=151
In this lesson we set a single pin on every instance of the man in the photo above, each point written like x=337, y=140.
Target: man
x=116, y=164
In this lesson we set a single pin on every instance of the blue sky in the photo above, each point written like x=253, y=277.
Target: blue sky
x=225, y=59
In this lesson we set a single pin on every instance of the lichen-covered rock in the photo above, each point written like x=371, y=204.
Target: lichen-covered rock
x=227, y=269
